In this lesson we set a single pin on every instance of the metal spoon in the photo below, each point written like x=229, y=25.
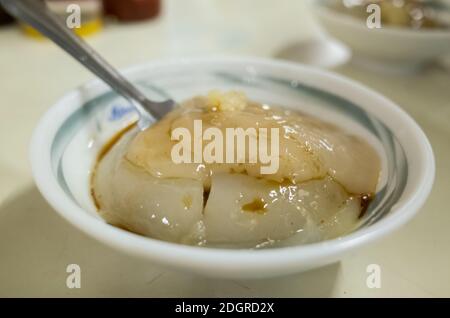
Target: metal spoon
x=36, y=14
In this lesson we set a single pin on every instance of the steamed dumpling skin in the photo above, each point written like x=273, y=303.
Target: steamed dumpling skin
x=131, y=198
x=308, y=148
x=315, y=194
x=244, y=210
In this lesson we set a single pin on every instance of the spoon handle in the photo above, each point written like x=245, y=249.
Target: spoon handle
x=38, y=16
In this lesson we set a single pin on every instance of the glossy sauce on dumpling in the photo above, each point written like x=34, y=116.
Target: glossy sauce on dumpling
x=324, y=178
x=309, y=148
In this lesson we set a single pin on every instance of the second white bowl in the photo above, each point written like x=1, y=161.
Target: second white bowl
x=390, y=48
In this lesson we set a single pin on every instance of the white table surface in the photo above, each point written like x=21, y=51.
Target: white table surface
x=36, y=245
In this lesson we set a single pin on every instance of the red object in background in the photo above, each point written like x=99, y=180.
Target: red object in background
x=132, y=10
x=5, y=18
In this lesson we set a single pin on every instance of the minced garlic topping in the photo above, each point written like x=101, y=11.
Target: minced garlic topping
x=228, y=101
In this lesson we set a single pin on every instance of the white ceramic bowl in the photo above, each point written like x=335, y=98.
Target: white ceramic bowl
x=389, y=48
x=69, y=136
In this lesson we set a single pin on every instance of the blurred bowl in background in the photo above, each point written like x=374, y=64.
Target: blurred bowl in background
x=390, y=48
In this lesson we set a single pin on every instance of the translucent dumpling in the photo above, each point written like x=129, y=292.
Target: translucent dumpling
x=319, y=190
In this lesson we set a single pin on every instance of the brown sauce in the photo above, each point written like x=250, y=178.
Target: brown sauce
x=258, y=205
x=103, y=152
x=365, y=201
